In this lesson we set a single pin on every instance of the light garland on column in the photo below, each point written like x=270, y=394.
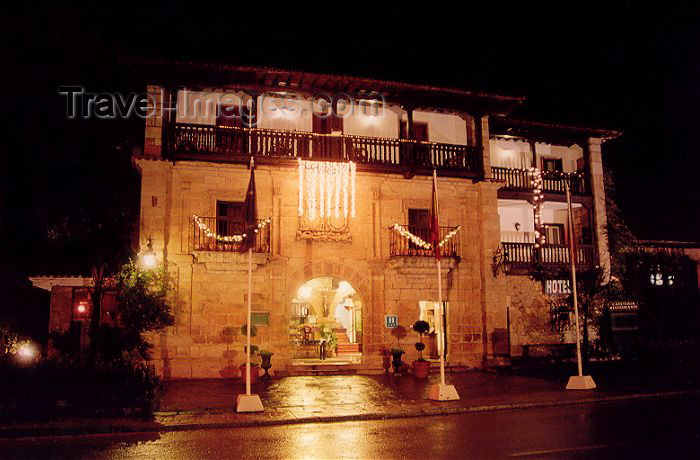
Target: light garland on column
x=537, y=202
x=226, y=238
x=322, y=183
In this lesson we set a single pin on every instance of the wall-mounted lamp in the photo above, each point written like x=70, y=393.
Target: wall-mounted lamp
x=148, y=257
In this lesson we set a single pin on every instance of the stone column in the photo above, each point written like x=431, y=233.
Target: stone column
x=599, y=215
x=482, y=144
x=157, y=117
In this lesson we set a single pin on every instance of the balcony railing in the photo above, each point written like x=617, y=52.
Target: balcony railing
x=524, y=256
x=189, y=139
x=400, y=246
x=552, y=181
x=202, y=242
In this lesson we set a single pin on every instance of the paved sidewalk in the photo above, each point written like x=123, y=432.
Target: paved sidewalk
x=193, y=404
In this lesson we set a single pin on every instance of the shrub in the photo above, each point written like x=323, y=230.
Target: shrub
x=69, y=387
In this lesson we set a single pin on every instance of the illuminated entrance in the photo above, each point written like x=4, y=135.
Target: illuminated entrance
x=326, y=322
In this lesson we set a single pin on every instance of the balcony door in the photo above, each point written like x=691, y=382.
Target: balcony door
x=419, y=225
x=552, y=164
x=329, y=144
x=230, y=217
x=554, y=233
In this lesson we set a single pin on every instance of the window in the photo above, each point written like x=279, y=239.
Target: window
x=554, y=233
x=419, y=224
x=420, y=131
x=229, y=115
x=260, y=318
x=552, y=164
x=327, y=122
x=230, y=219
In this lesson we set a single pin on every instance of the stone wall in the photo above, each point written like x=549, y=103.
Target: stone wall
x=210, y=288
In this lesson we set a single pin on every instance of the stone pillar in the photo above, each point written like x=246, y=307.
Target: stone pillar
x=156, y=120
x=598, y=190
x=482, y=144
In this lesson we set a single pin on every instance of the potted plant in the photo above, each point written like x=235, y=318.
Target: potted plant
x=266, y=357
x=254, y=369
x=386, y=359
x=421, y=366
x=330, y=341
x=397, y=352
x=396, y=362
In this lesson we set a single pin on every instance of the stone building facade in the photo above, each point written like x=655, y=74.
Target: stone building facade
x=201, y=168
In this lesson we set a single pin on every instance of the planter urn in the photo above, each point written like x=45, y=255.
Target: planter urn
x=421, y=369
x=266, y=365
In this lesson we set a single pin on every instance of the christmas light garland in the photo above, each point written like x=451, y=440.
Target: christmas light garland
x=226, y=238
x=418, y=241
x=321, y=184
x=537, y=202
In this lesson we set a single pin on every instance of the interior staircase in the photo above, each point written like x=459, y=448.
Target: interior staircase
x=344, y=345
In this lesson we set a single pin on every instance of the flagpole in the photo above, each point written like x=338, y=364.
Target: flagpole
x=441, y=391
x=580, y=381
x=249, y=327
x=572, y=256
x=249, y=402
x=441, y=322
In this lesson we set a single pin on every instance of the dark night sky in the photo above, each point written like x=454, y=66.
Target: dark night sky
x=614, y=65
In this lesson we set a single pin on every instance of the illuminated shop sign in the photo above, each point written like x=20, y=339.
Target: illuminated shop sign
x=557, y=287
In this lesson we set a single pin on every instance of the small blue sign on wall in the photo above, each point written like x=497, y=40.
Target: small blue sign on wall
x=392, y=321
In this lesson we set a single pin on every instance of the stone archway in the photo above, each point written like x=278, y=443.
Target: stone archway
x=326, y=307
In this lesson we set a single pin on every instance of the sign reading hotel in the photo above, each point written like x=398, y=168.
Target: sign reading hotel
x=392, y=321
x=557, y=287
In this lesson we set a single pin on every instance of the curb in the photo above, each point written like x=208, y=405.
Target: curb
x=136, y=427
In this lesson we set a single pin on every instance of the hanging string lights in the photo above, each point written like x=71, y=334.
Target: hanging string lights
x=325, y=188
x=420, y=242
x=226, y=238
x=537, y=202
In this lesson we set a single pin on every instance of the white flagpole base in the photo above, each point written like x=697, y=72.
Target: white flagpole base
x=249, y=403
x=580, y=382
x=441, y=392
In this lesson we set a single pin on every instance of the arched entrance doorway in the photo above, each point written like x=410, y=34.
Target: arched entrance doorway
x=326, y=322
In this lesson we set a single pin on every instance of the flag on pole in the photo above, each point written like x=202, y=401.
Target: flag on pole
x=434, y=224
x=250, y=212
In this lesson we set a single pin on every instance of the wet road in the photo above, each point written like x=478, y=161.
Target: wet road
x=658, y=428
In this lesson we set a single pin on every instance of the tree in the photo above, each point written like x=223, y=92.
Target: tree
x=143, y=307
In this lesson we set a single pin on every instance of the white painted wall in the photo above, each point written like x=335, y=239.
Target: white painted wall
x=516, y=154
x=200, y=108
x=296, y=114
x=510, y=153
x=445, y=128
x=512, y=211
x=292, y=114
x=361, y=120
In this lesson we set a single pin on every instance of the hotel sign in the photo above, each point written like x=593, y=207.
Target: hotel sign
x=557, y=287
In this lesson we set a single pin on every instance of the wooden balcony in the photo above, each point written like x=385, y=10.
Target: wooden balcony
x=220, y=143
x=519, y=180
x=202, y=242
x=400, y=246
x=523, y=257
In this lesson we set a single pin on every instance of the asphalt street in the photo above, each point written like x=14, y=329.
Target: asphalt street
x=655, y=428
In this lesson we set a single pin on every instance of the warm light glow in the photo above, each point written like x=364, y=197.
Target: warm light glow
x=304, y=292
x=81, y=308
x=26, y=351
x=149, y=261
x=320, y=188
